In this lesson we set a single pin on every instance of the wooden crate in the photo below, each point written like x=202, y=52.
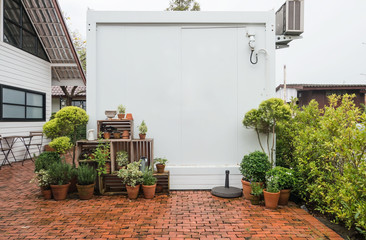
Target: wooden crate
x=163, y=180
x=119, y=125
x=143, y=148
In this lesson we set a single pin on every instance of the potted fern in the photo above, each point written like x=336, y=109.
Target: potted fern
x=122, y=159
x=132, y=177
x=142, y=130
x=160, y=164
x=86, y=181
x=149, y=183
x=121, y=111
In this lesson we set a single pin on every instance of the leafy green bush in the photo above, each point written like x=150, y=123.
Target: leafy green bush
x=101, y=155
x=42, y=178
x=272, y=184
x=52, y=129
x=122, y=158
x=257, y=189
x=285, y=177
x=61, y=144
x=148, y=177
x=45, y=160
x=254, y=166
x=132, y=175
x=60, y=173
x=143, y=128
x=86, y=175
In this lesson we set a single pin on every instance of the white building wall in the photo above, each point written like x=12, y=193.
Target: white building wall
x=21, y=69
x=290, y=93
x=189, y=77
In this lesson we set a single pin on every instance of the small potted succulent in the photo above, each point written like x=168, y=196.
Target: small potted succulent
x=256, y=192
x=160, y=164
x=271, y=193
x=121, y=111
x=149, y=183
x=122, y=159
x=43, y=181
x=286, y=181
x=132, y=177
x=60, y=175
x=253, y=167
x=86, y=181
x=142, y=130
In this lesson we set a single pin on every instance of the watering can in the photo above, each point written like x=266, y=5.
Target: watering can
x=90, y=134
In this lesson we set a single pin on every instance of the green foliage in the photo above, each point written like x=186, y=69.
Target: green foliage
x=148, y=177
x=132, y=175
x=121, y=109
x=101, y=155
x=162, y=161
x=143, y=128
x=60, y=173
x=45, y=160
x=86, y=175
x=257, y=189
x=183, y=5
x=254, y=166
x=42, y=178
x=122, y=158
x=272, y=184
x=52, y=129
x=61, y=144
x=264, y=120
x=285, y=177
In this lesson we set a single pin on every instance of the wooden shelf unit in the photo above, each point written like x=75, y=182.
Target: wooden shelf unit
x=119, y=125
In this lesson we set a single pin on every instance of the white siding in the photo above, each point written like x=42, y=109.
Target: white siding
x=55, y=104
x=23, y=70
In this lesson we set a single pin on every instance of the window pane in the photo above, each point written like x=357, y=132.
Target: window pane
x=11, y=33
x=41, y=53
x=12, y=10
x=34, y=99
x=11, y=111
x=34, y=112
x=29, y=42
x=27, y=23
x=13, y=96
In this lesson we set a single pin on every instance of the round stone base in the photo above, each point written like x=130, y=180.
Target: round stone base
x=230, y=192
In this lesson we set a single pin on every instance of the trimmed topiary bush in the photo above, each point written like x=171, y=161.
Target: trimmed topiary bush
x=61, y=144
x=254, y=166
x=285, y=177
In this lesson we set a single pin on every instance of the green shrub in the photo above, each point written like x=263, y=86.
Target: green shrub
x=272, y=184
x=162, y=161
x=52, y=129
x=132, y=175
x=148, y=177
x=86, y=175
x=60, y=173
x=101, y=155
x=61, y=144
x=42, y=178
x=122, y=158
x=257, y=189
x=286, y=177
x=45, y=160
x=143, y=128
x=254, y=166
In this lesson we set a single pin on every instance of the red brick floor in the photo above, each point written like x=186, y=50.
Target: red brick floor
x=182, y=215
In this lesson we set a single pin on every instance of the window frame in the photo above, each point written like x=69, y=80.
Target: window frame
x=25, y=119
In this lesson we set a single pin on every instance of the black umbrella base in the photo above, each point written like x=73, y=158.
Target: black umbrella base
x=226, y=192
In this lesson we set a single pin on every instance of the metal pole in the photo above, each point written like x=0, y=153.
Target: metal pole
x=227, y=172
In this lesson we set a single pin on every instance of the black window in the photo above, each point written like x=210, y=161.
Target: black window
x=18, y=104
x=79, y=103
x=18, y=29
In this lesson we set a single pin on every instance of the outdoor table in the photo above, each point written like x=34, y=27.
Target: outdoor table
x=10, y=141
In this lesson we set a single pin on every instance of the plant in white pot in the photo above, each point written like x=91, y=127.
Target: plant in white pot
x=132, y=177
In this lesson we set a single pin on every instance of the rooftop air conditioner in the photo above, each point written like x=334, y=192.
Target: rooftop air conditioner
x=290, y=18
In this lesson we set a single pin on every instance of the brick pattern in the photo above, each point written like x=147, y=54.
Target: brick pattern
x=182, y=215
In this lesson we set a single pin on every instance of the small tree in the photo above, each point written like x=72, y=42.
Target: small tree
x=183, y=5
x=264, y=120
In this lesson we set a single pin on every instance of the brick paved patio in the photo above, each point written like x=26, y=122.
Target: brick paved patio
x=182, y=215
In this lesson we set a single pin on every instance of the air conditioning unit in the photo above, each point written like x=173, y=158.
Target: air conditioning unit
x=290, y=18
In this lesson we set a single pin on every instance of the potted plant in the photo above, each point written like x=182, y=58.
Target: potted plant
x=86, y=181
x=160, y=164
x=116, y=135
x=286, y=180
x=122, y=159
x=45, y=160
x=271, y=193
x=60, y=175
x=149, y=183
x=106, y=135
x=132, y=177
x=101, y=156
x=43, y=181
x=121, y=111
x=253, y=167
x=142, y=130
x=256, y=192
x=125, y=134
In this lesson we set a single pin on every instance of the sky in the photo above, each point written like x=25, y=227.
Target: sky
x=332, y=50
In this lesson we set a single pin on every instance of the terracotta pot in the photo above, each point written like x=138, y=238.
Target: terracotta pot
x=121, y=116
x=47, y=193
x=160, y=168
x=246, y=189
x=271, y=199
x=255, y=199
x=73, y=182
x=149, y=191
x=133, y=192
x=159, y=188
x=284, y=196
x=59, y=192
x=142, y=136
x=108, y=167
x=125, y=134
x=129, y=116
x=107, y=135
x=47, y=148
x=117, y=135
x=85, y=191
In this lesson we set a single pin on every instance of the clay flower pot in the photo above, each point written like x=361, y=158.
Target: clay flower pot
x=142, y=136
x=59, y=192
x=149, y=191
x=284, y=196
x=255, y=199
x=271, y=199
x=47, y=193
x=121, y=116
x=117, y=135
x=247, y=189
x=125, y=134
x=160, y=168
x=133, y=192
x=107, y=135
x=108, y=167
x=129, y=116
x=85, y=191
